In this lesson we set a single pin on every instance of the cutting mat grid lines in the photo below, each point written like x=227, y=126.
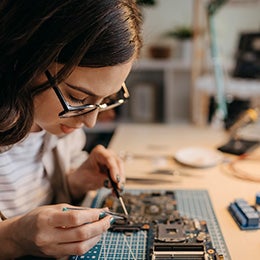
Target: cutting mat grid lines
x=190, y=203
x=118, y=246
x=197, y=204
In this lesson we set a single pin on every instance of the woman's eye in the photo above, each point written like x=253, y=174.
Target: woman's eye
x=110, y=99
x=107, y=100
x=76, y=100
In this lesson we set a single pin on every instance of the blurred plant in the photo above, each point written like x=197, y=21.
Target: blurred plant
x=146, y=2
x=181, y=33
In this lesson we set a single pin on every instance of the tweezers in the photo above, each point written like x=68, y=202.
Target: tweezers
x=107, y=212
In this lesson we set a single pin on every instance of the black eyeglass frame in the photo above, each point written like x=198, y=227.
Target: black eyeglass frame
x=67, y=108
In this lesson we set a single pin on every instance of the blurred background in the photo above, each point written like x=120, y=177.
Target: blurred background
x=200, y=63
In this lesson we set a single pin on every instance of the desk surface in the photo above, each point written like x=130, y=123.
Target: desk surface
x=149, y=147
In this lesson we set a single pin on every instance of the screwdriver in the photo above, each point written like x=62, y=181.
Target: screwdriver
x=115, y=189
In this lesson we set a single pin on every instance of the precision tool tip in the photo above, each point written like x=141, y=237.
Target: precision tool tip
x=123, y=206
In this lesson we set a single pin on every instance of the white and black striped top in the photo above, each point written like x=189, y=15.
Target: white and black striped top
x=24, y=184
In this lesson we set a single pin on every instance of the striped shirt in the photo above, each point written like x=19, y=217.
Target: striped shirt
x=24, y=184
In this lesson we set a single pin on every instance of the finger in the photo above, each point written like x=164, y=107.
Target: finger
x=72, y=218
x=121, y=172
x=117, y=171
x=115, y=167
x=84, y=232
x=109, y=160
x=76, y=248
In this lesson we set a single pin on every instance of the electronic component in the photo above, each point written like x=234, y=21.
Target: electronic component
x=170, y=236
x=183, y=239
x=246, y=216
x=161, y=225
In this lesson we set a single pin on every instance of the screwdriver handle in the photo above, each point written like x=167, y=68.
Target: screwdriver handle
x=114, y=185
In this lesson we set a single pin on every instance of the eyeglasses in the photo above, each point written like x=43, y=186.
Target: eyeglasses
x=109, y=102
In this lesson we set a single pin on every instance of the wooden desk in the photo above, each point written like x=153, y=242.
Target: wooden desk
x=157, y=141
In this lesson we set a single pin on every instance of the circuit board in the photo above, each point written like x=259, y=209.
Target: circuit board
x=158, y=228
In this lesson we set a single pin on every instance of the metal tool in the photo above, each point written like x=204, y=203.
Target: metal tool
x=107, y=212
x=115, y=189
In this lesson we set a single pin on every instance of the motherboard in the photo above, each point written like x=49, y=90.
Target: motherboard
x=169, y=235
x=161, y=225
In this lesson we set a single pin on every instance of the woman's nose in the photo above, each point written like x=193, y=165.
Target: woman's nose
x=90, y=119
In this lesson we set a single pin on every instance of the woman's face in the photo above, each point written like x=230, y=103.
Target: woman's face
x=88, y=84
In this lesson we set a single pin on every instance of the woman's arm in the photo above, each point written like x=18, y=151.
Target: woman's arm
x=8, y=247
x=50, y=231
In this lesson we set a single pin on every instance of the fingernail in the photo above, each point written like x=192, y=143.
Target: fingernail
x=112, y=221
x=106, y=183
x=102, y=215
x=118, y=178
x=122, y=187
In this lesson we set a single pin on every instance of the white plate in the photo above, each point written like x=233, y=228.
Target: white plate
x=199, y=157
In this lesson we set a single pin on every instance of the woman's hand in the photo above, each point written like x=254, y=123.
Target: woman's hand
x=92, y=173
x=50, y=231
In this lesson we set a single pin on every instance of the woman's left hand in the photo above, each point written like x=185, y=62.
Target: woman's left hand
x=92, y=174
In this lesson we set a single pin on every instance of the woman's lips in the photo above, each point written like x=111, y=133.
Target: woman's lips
x=67, y=129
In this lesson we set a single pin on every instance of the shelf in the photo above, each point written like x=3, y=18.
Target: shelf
x=172, y=99
x=237, y=87
x=161, y=64
x=174, y=80
x=205, y=87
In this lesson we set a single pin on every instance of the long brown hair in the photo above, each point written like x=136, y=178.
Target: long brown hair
x=34, y=34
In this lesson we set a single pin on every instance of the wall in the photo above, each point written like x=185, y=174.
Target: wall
x=166, y=15
x=233, y=19
x=230, y=20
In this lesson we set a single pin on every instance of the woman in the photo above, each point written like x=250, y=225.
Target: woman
x=62, y=62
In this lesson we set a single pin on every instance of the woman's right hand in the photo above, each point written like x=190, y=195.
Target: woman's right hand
x=50, y=231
